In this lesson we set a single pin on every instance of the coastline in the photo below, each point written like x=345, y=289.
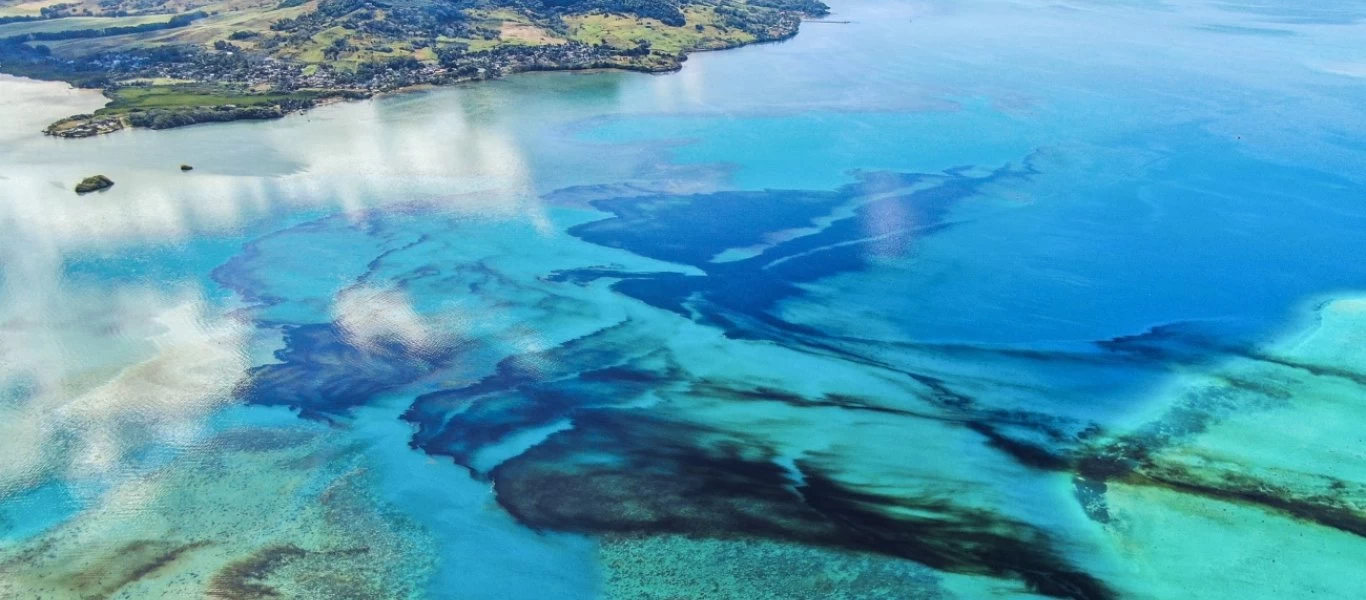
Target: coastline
x=108, y=119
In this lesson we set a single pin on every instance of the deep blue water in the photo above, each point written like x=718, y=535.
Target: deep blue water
x=956, y=299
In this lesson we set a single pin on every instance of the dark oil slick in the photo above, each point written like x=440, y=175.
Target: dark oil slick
x=1000, y=299
x=622, y=455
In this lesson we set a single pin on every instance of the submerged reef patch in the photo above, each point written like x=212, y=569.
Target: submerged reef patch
x=289, y=515
x=755, y=569
x=1205, y=442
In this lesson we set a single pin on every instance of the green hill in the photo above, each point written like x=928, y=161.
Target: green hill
x=242, y=57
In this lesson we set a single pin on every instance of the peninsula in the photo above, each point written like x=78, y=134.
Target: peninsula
x=170, y=63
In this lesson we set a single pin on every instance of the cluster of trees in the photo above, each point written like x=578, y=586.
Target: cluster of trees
x=55, y=11
x=401, y=22
x=339, y=46
x=669, y=13
x=814, y=8
x=642, y=48
x=141, y=7
x=18, y=19
x=764, y=23
x=180, y=117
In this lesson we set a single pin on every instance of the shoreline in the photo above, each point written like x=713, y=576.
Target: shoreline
x=81, y=126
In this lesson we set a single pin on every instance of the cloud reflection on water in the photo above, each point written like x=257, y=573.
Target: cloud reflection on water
x=93, y=369
x=101, y=377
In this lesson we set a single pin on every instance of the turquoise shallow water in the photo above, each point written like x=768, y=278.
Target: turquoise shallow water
x=953, y=300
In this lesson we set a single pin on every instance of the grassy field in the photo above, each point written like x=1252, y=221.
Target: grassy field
x=619, y=31
x=86, y=8
x=76, y=23
x=24, y=8
x=202, y=32
x=128, y=99
x=513, y=28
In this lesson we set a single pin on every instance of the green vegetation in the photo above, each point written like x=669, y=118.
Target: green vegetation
x=180, y=104
x=622, y=31
x=94, y=183
x=167, y=63
x=37, y=34
x=31, y=26
x=148, y=97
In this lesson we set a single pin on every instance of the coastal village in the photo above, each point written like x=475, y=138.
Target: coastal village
x=234, y=61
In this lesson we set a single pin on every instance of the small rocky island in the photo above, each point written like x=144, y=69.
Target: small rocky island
x=94, y=183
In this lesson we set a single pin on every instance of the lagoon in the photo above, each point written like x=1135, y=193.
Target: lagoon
x=1002, y=298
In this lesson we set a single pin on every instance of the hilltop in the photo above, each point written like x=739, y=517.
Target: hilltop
x=168, y=63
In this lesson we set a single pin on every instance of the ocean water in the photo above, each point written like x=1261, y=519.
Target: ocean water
x=984, y=299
